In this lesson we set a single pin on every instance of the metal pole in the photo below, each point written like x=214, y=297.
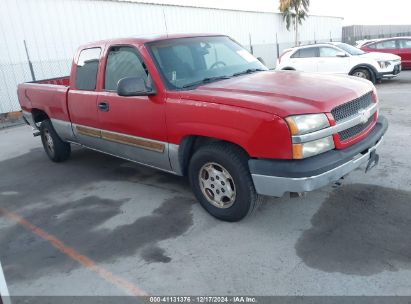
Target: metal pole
x=277, y=46
x=251, y=46
x=33, y=76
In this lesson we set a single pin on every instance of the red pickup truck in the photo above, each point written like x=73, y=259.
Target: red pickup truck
x=202, y=106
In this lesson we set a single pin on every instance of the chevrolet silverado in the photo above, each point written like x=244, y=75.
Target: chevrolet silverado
x=202, y=106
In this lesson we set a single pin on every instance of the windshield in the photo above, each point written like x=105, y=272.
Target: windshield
x=350, y=49
x=188, y=62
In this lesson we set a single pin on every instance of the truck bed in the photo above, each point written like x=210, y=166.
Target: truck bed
x=48, y=95
x=64, y=81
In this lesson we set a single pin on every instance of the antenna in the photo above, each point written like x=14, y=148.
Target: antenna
x=165, y=21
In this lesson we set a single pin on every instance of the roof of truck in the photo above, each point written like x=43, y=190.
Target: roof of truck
x=146, y=38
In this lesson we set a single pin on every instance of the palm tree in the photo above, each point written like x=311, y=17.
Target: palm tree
x=294, y=12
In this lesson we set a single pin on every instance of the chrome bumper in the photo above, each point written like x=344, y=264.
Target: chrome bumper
x=277, y=186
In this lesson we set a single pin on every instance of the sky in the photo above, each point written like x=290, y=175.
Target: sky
x=353, y=11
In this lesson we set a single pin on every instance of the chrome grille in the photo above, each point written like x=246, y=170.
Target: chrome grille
x=351, y=108
x=351, y=132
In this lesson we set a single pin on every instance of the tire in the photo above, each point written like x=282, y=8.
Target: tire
x=363, y=73
x=56, y=149
x=230, y=165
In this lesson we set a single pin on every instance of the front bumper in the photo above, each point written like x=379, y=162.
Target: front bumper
x=394, y=73
x=276, y=177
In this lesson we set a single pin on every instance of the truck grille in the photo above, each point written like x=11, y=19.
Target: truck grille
x=351, y=108
x=351, y=132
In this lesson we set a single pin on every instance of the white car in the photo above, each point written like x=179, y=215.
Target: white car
x=340, y=58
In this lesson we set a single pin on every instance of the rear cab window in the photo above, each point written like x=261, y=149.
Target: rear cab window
x=87, y=67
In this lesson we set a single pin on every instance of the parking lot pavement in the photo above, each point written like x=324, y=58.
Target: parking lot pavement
x=97, y=225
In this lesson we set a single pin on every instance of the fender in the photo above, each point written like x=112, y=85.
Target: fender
x=260, y=134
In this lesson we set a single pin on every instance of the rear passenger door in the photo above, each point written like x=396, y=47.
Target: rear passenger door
x=329, y=62
x=132, y=127
x=305, y=59
x=82, y=97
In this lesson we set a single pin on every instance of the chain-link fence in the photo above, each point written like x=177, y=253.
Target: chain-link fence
x=13, y=74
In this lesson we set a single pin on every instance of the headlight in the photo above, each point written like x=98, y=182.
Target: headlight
x=312, y=148
x=383, y=64
x=303, y=124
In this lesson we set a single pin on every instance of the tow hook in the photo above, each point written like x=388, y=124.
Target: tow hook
x=298, y=194
x=373, y=161
x=338, y=183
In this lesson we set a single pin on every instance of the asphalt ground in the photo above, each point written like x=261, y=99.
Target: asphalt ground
x=98, y=225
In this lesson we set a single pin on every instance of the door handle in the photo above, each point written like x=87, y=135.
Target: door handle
x=103, y=106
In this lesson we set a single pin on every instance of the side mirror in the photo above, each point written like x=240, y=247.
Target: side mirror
x=261, y=60
x=341, y=54
x=134, y=86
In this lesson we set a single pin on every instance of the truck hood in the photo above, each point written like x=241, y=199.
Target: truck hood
x=282, y=93
x=380, y=56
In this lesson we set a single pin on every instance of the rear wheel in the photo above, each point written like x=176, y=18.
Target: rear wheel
x=57, y=150
x=222, y=183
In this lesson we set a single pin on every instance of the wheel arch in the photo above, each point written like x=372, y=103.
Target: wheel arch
x=39, y=115
x=369, y=67
x=191, y=143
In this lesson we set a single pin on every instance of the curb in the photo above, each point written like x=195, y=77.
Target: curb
x=12, y=119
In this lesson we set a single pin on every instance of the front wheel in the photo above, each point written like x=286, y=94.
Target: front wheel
x=363, y=73
x=57, y=150
x=221, y=181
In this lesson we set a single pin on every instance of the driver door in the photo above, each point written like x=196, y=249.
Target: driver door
x=132, y=127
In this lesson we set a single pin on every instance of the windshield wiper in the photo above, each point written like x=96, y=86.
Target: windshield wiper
x=248, y=71
x=205, y=80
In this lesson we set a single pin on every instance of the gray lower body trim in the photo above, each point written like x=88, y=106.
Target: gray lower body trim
x=174, y=158
x=63, y=129
x=277, y=186
x=125, y=158
x=141, y=150
x=151, y=153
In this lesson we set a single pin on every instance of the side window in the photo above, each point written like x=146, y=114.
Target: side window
x=329, y=52
x=405, y=44
x=389, y=44
x=371, y=46
x=87, y=66
x=308, y=52
x=296, y=54
x=122, y=61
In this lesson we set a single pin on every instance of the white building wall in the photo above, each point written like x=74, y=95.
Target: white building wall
x=53, y=29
